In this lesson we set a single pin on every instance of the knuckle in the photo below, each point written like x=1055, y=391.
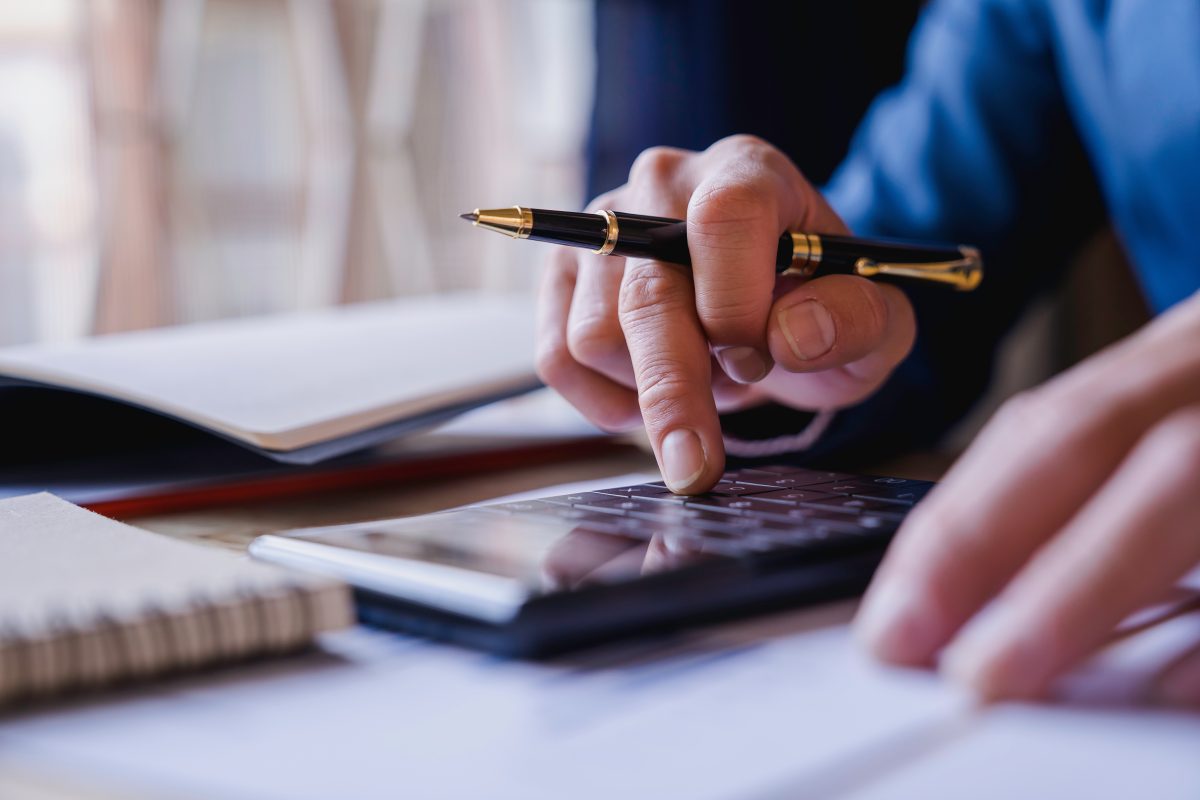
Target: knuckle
x=730, y=204
x=605, y=200
x=609, y=417
x=662, y=391
x=595, y=339
x=732, y=310
x=1175, y=442
x=552, y=363
x=654, y=165
x=1030, y=414
x=1059, y=415
x=647, y=289
x=746, y=143
x=941, y=530
x=757, y=154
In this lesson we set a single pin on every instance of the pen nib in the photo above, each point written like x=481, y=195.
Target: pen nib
x=472, y=217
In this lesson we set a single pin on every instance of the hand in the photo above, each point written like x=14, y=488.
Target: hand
x=635, y=341
x=1078, y=505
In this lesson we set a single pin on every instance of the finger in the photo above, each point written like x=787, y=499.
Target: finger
x=607, y=404
x=671, y=366
x=836, y=339
x=731, y=395
x=594, y=336
x=1135, y=538
x=1179, y=683
x=1036, y=463
x=735, y=216
x=660, y=171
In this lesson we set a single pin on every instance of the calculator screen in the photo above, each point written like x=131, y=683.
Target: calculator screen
x=543, y=552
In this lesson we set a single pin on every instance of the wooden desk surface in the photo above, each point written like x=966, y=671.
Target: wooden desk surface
x=235, y=526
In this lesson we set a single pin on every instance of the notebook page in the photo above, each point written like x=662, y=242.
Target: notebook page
x=288, y=381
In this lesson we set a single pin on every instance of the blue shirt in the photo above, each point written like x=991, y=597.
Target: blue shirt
x=959, y=149
x=1019, y=126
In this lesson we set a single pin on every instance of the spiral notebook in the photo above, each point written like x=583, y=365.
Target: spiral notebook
x=86, y=601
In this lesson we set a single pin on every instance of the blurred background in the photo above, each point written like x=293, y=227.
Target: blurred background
x=166, y=161
x=170, y=161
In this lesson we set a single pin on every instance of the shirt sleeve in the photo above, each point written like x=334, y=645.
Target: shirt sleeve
x=974, y=146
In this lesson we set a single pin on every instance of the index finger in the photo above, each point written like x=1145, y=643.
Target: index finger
x=672, y=369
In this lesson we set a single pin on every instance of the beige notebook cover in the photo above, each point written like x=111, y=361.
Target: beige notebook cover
x=284, y=383
x=86, y=601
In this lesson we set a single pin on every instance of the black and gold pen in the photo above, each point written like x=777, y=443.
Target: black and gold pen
x=802, y=254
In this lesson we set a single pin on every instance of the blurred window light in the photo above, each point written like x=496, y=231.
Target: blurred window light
x=23, y=20
x=47, y=209
x=167, y=161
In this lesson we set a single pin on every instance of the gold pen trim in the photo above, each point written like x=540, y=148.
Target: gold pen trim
x=515, y=222
x=963, y=274
x=806, y=255
x=612, y=232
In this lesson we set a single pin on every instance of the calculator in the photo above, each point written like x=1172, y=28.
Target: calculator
x=538, y=577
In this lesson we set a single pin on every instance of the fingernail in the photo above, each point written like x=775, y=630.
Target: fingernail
x=808, y=329
x=993, y=663
x=743, y=364
x=897, y=624
x=682, y=459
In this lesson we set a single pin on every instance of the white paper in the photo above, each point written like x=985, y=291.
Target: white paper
x=290, y=380
x=1100, y=741
x=781, y=707
x=703, y=716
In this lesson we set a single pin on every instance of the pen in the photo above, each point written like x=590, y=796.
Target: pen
x=805, y=255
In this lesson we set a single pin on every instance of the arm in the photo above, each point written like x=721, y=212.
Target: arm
x=973, y=146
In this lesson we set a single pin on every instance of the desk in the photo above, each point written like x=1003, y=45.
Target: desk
x=235, y=527
x=777, y=707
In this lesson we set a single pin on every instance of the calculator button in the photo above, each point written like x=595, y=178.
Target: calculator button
x=733, y=504
x=793, y=497
x=640, y=490
x=857, y=505
x=770, y=469
x=907, y=494
x=865, y=484
x=737, y=489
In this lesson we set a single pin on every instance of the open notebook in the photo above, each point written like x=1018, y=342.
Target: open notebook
x=298, y=388
x=86, y=601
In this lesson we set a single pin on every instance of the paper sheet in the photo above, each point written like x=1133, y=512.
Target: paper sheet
x=287, y=381
x=711, y=716
x=780, y=707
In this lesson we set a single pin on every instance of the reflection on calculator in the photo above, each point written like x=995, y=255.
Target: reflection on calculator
x=536, y=577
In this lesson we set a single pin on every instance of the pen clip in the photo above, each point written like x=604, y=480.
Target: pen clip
x=963, y=274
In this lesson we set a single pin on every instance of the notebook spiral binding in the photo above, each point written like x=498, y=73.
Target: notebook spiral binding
x=75, y=649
